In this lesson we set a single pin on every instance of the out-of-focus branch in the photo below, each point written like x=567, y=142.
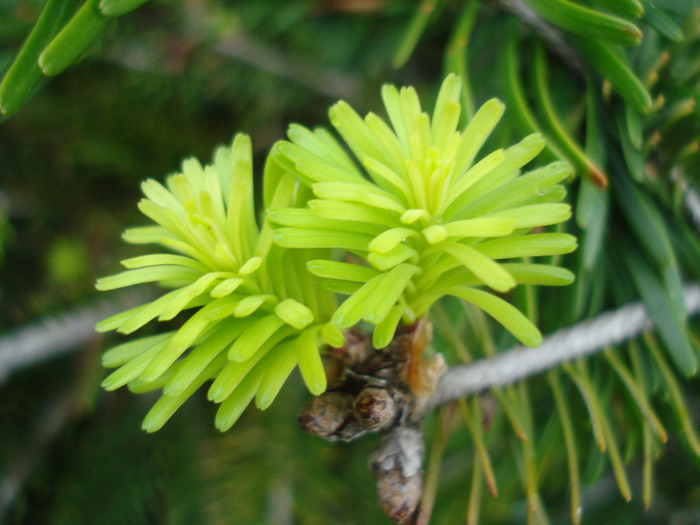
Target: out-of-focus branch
x=580, y=340
x=171, y=56
x=49, y=422
x=137, y=56
x=262, y=56
x=57, y=335
x=550, y=34
x=692, y=204
x=691, y=197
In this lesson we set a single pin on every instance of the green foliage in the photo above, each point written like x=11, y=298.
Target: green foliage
x=261, y=312
x=169, y=81
x=427, y=218
x=259, y=317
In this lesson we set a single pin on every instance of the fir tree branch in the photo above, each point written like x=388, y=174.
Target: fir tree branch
x=691, y=199
x=547, y=32
x=332, y=84
x=580, y=340
x=692, y=204
x=55, y=336
x=49, y=422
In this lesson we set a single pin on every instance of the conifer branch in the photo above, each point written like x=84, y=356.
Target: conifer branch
x=57, y=335
x=550, y=34
x=580, y=340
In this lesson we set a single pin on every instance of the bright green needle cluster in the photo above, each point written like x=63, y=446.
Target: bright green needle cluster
x=421, y=215
x=257, y=314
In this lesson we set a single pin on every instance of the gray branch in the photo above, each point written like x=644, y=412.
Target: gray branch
x=692, y=197
x=48, y=423
x=580, y=340
x=59, y=335
x=55, y=336
x=692, y=204
x=547, y=32
x=333, y=84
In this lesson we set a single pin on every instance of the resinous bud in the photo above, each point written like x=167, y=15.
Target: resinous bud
x=397, y=462
x=330, y=416
x=326, y=414
x=375, y=408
